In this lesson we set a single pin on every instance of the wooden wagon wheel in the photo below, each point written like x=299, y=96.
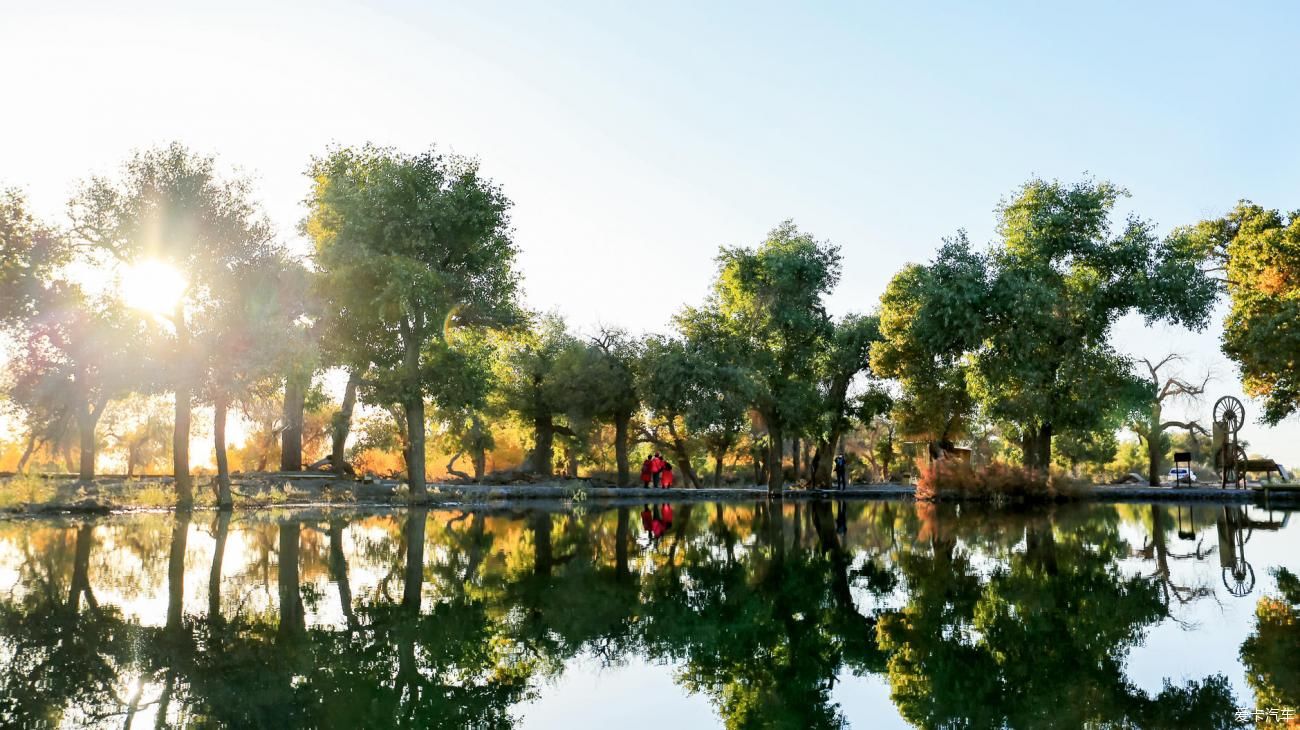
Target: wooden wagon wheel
x=1235, y=465
x=1239, y=579
x=1230, y=411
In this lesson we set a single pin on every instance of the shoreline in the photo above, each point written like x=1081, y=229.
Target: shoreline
x=284, y=491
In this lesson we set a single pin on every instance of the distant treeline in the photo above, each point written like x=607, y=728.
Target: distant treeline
x=167, y=278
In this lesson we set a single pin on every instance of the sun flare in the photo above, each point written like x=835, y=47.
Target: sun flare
x=152, y=286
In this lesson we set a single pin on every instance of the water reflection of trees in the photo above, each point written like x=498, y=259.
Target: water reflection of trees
x=1036, y=641
x=987, y=619
x=1271, y=653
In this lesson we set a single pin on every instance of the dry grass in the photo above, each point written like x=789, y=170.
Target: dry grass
x=28, y=489
x=997, y=482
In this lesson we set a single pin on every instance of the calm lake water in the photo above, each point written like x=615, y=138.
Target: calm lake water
x=808, y=615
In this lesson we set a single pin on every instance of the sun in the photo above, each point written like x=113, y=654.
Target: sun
x=152, y=286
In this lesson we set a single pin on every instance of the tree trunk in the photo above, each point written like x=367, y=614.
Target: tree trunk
x=621, y=533
x=293, y=619
x=822, y=460
x=176, y=573
x=678, y=447
x=1040, y=548
x=181, y=422
x=220, y=411
x=218, y=556
x=480, y=461
x=543, y=558
x=451, y=466
x=80, y=583
x=413, y=583
x=181, y=449
x=717, y=467
x=1153, y=447
x=620, y=447
x=341, y=425
x=295, y=398
x=683, y=467
x=1045, y=447
x=339, y=572
x=543, y=436
x=775, y=472
x=27, y=452
x=795, y=453
x=415, y=437
x=86, y=422
x=1153, y=459
x=1029, y=448
x=132, y=458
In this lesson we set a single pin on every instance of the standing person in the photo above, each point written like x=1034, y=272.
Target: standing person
x=656, y=467
x=666, y=476
x=645, y=473
x=841, y=472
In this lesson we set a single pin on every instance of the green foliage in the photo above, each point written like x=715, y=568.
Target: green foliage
x=768, y=302
x=923, y=343
x=694, y=398
x=533, y=368
x=1269, y=653
x=1130, y=458
x=410, y=248
x=766, y=315
x=1023, y=330
x=1263, y=281
x=845, y=355
x=1094, y=448
x=973, y=618
x=76, y=347
x=599, y=377
x=139, y=429
x=1039, y=642
x=31, y=255
x=170, y=205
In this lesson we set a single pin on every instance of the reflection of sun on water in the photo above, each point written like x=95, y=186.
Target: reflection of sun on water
x=152, y=286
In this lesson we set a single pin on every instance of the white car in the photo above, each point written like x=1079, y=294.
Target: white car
x=1182, y=474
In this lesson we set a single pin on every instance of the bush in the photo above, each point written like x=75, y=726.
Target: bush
x=996, y=482
x=25, y=489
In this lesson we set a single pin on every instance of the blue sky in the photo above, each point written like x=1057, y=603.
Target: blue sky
x=637, y=138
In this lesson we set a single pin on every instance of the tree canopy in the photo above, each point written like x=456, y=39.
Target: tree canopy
x=767, y=309
x=171, y=205
x=1023, y=330
x=410, y=246
x=1260, y=251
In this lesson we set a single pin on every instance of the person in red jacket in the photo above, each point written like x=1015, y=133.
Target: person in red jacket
x=666, y=476
x=667, y=513
x=656, y=466
x=645, y=473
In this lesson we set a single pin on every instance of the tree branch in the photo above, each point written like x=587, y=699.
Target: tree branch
x=1192, y=426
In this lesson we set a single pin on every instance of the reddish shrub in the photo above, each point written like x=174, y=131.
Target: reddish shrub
x=997, y=481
